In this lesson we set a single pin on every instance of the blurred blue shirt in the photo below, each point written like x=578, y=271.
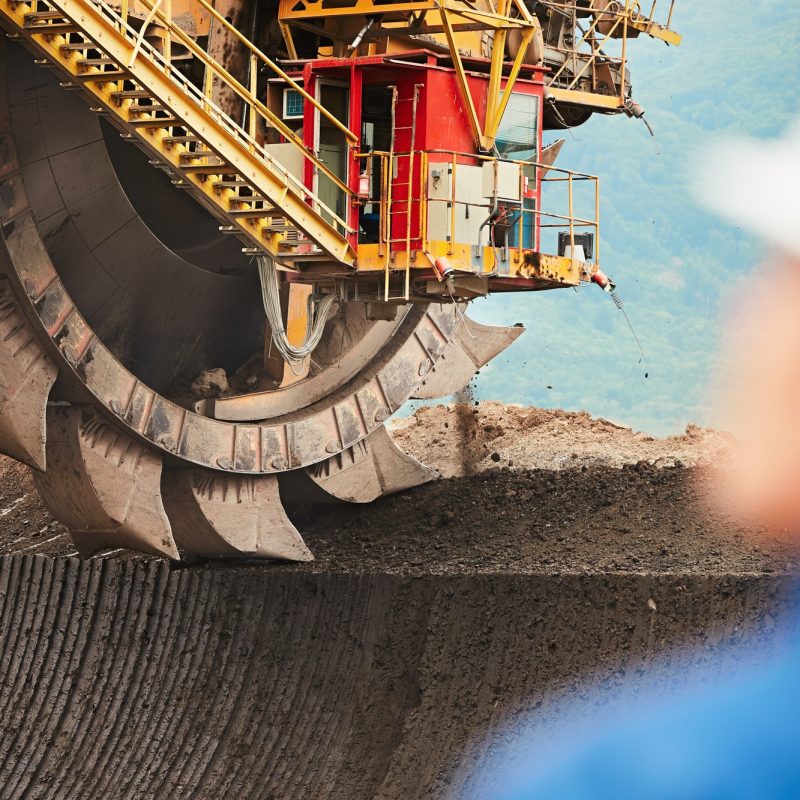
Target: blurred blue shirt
x=738, y=739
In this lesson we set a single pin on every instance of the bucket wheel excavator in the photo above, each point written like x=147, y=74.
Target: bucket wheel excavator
x=238, y=236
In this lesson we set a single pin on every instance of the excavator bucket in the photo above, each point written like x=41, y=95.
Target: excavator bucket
x=222, y=271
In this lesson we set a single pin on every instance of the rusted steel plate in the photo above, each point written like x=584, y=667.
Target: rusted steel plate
x=104, y=486
x=218, y=515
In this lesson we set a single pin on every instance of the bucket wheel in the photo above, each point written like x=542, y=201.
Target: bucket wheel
x=116, y=290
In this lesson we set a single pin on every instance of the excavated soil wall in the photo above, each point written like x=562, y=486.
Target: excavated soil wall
x=131, y=679
x=435, y=629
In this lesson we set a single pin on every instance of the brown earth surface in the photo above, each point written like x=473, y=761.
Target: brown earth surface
x=569, y=493
x=437, y=629
x=465, y=438
x=591, y=520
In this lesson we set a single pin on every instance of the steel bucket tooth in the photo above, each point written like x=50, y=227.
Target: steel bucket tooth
x=26, y=377
x=371, y=468
x=104, y=486
x=473, y=346
x=218, y=515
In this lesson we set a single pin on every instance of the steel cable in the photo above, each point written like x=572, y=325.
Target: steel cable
x=315, y=322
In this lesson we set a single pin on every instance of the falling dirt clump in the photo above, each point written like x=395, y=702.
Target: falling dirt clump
x=462, y=439
x=463, y=431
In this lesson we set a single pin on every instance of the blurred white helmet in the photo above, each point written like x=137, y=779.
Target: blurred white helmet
x=756, y=184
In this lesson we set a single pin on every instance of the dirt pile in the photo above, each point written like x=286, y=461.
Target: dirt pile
x=462, y=439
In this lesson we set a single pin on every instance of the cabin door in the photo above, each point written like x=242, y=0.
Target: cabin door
x=331, y=146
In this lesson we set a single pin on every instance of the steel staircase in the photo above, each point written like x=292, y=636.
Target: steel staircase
x=93, y=46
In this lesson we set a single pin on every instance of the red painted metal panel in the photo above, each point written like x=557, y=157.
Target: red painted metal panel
x=441, y=124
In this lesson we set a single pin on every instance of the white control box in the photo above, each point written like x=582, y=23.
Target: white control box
x=501, y=179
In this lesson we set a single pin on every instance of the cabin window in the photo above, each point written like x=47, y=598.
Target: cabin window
x=518, y=135
x=292, y=104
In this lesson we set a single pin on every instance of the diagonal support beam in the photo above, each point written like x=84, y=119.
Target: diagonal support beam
x=233, y=153
x=496, y=103
x=463, y=85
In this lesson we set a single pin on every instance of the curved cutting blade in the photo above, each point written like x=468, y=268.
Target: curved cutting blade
x=472, y=346
x=372, y=468
x=104, y=486
x=218, y=515
x=26, y=377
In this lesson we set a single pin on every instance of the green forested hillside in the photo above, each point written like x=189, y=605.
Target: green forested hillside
x=736, y=73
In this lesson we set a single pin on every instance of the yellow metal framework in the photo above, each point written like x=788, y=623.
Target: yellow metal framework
x=559, y=269
x=588, y=59
x=94, y=44
x=428, y=17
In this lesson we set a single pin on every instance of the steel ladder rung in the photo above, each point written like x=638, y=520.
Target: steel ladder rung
x=131, y=94
x=279, y=228
x=101, y=77
x=248, y=198
x=136, y=108
x=87, y=45
x=96, y=62
x=32, y=15
x=49, y=28
x=251, y=213
x=208, y=169
x=194, y=155
x=169, y=140
x=158, y=122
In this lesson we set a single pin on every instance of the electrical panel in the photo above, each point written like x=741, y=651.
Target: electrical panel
x=501, y=180
x=468, y=210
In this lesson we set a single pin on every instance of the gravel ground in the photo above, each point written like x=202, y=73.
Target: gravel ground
x=564, y=493
x=637, y=519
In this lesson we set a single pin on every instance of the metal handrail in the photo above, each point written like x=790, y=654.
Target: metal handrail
x=261, y=56
x=546, y=173
x=213, y=68
x=628, y=15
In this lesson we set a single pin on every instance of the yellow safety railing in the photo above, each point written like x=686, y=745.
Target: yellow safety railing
x=574, y=56
x=559, y=216
x=215, y=73
x=585, y=60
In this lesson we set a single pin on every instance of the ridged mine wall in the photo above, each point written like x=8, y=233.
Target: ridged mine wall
x=132, y=679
